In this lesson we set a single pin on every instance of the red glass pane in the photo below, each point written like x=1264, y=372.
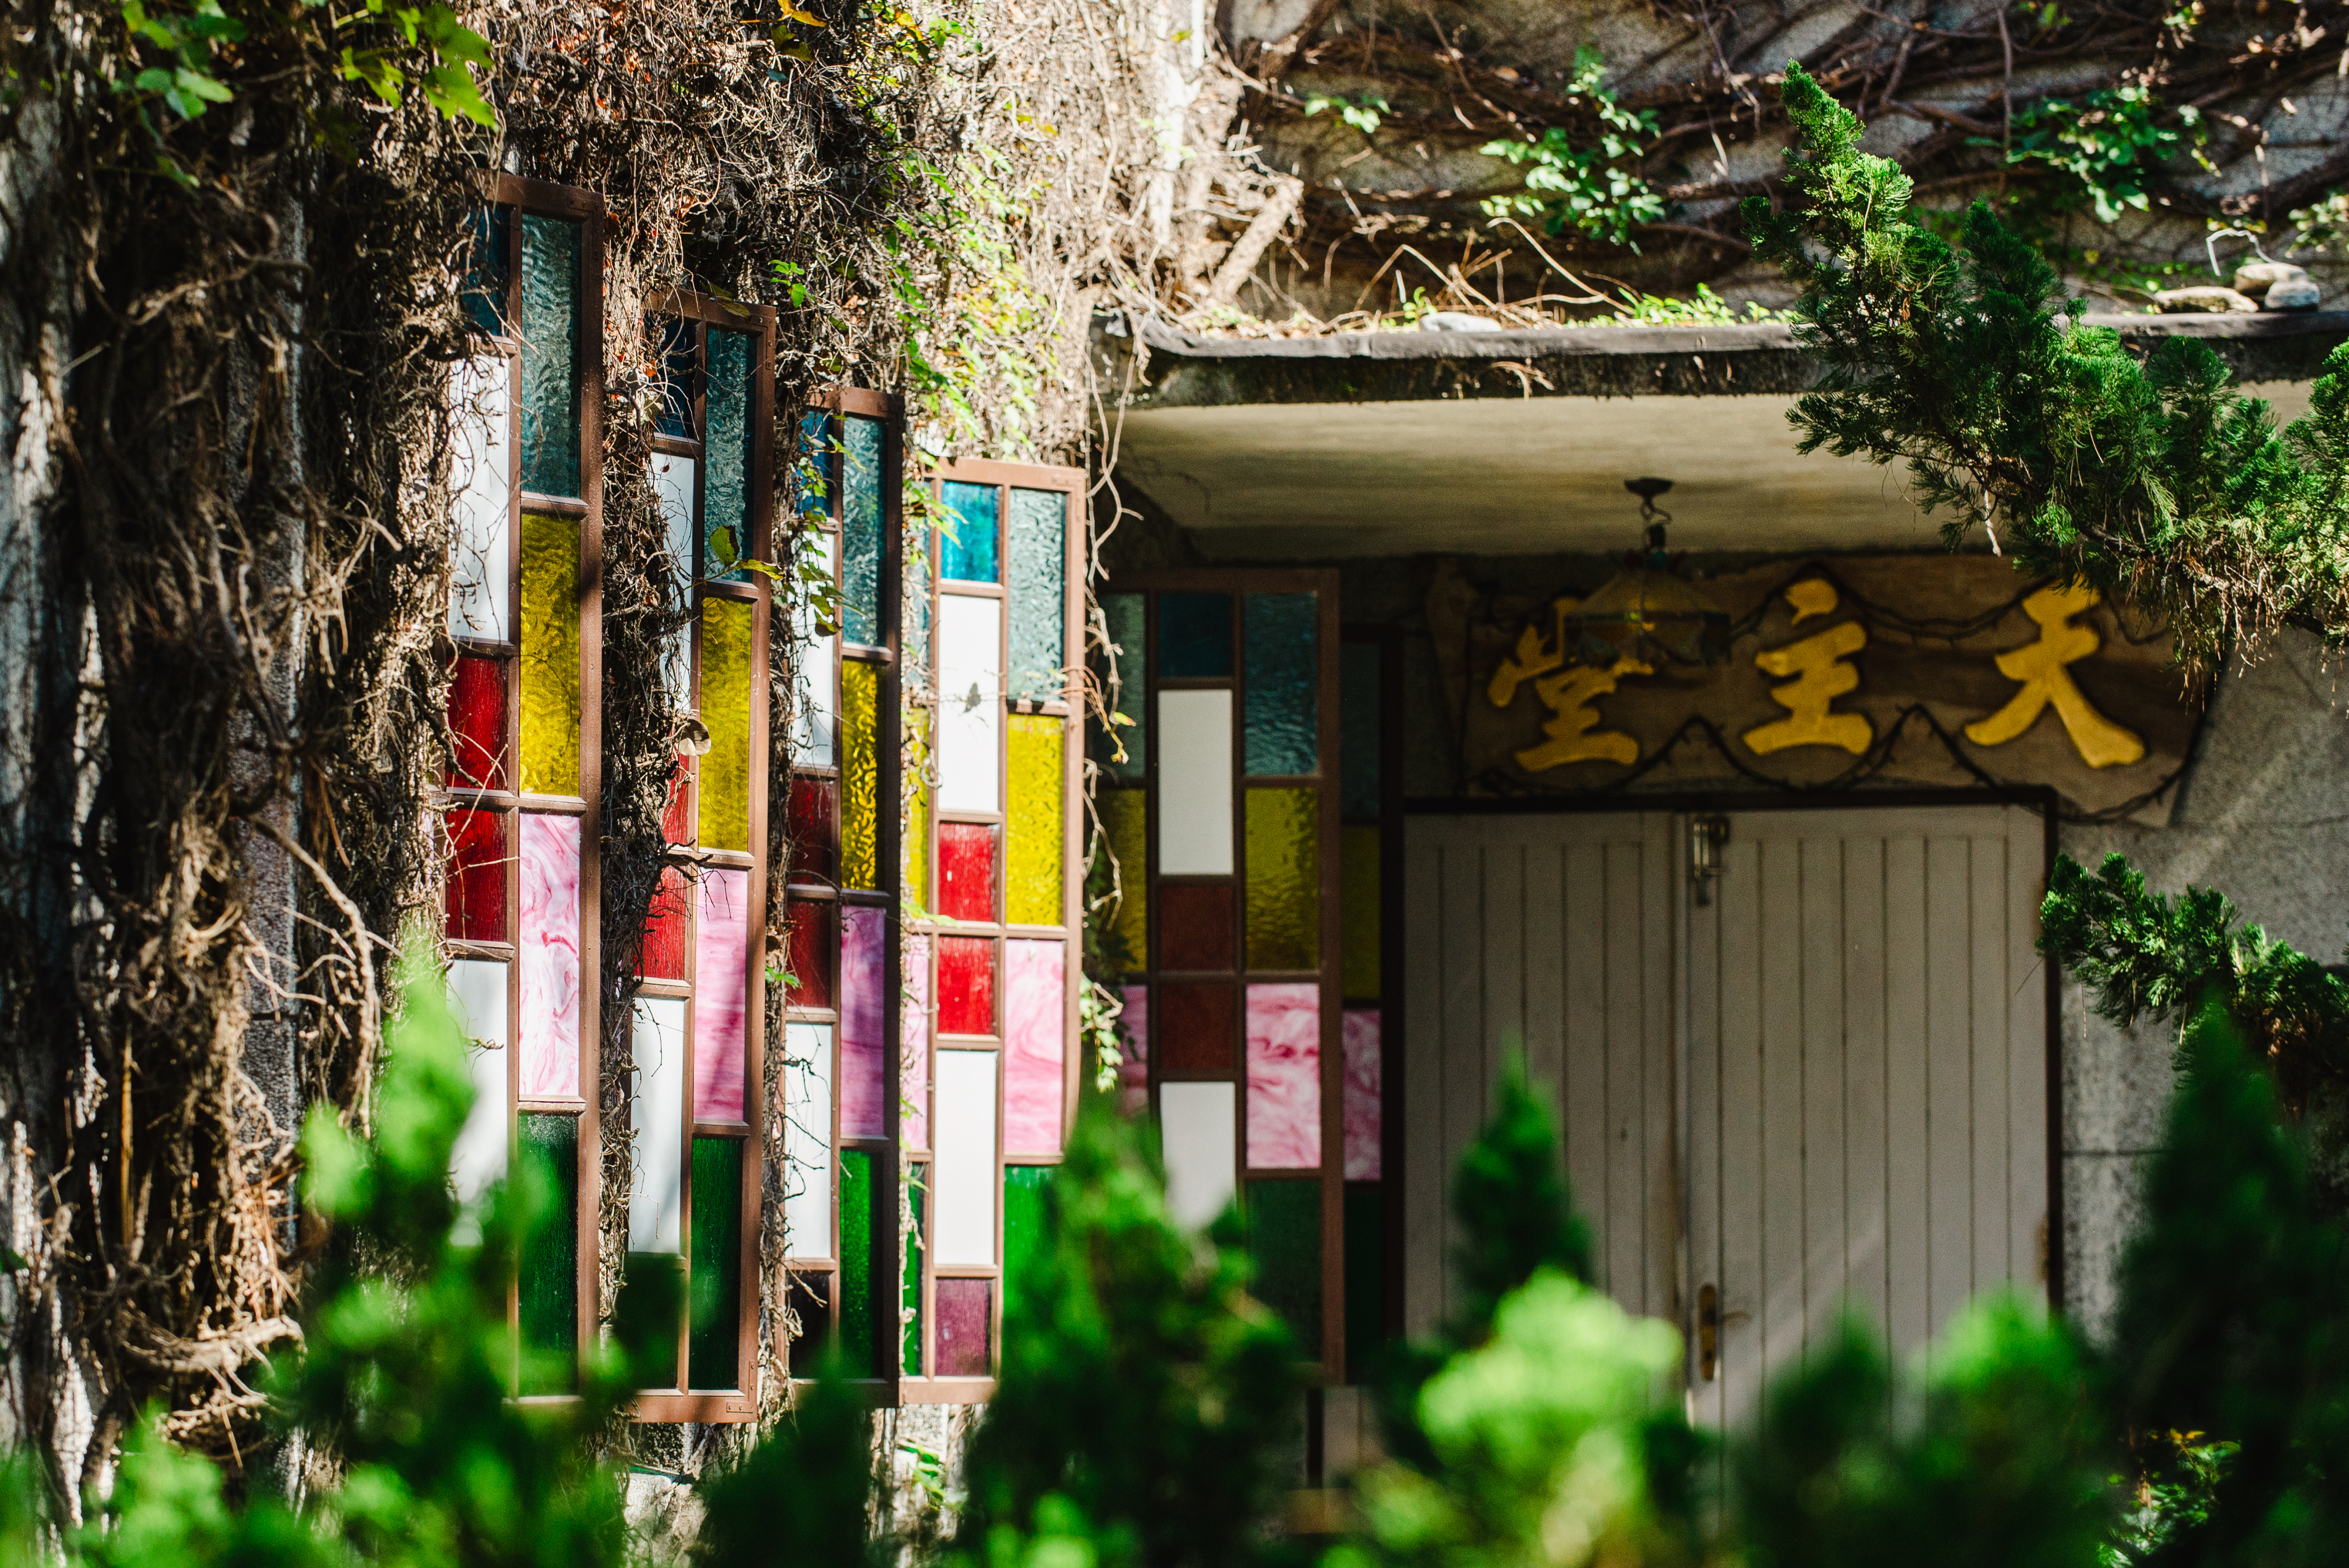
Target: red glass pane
x=1194, y=926
x=814, y=948
x=478, y=858
x=477, y=722
x=1194, y=1026
x=967, y=870
x=677, y=819
x=814, y=842
x=665, y=927
x=965, y=985
x=966, y=1316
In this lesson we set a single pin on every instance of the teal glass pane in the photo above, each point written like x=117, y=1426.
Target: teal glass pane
x=1359, y=699
x=1283, y=710
x=1284, y=1221
x=713, y=1346
x=861, y=512
x=1025, y=1227
x=549, y=1257
x=1122, y=612
x=726, y=457
x=488, y=261
x=1038, y=577
x=860, y=1340
x=550, y=356
x=968, y=534
x=1366, y=1276
x=1194, y=635
x=814, y=472
x=910, y=1300
x=673, y=343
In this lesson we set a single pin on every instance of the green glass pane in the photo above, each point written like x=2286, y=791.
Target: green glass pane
x=1122, y=612
x=1025, y=1227
x=641, y=1286
x=549, y=623
x=861, y=511
x=549, y=1283
x=550, y=356
x=1284, y=1221
x=713, y=1346
x=860, y=775
x=1359, y=736
x=1358, y=911
x=1366, y=1287
x=1037, y=573
x=726, y=456
x=726, y=628
x=1126, y=821
x=1284, y=879
x=910, y=1300
x=1194, y=635
x=966, y=536
x=1282, y=716
x=859, y=1337
x=1032, y=862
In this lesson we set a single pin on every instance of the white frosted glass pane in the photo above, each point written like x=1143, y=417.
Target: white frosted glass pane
x=480, y=449
x=476, y=996
x=1195, y=1130
x=656, y=1117
x=970, y=689
x=1195, y=783
x=807, y=1140
x=963, y=1172
x=673, y=483
x=814, y=725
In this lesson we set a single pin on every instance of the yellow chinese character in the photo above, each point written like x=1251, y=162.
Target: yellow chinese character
x=1532, y=658
x=1569, y=695
x=2040, y=667
x=1822, y=676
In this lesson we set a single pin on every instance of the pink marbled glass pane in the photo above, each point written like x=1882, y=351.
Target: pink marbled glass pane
x=721, y=981
x=862, y=1112
x=550, y=957
x=1034, y=1045
x=914, y=1046
x=1284, y=1076
x=1134, y=1073
x=1361, y=1028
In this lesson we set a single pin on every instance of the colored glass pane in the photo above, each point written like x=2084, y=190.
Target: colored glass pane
x=1134, y=1067
x=488, y=261
x=814, y=843
x=721, y=984
x=1037, y=573
x=1026, y=1234
x=861, y=512
x=807, y=1140
x=1282, y=715
x=550, y=356
x=665, y=927
x=481, y=484
x=1124, y=613
x=811, y=953
x=675, y=352
x=550, y=654
x=814, y=469
x=915, y=730
x=1284, y=879
x=916, y=631
x=1125, y=821
x=1360, y=729
x=1284, y=1076
x=549, y=953
x=673, y=484
x=970, y=659
x=814, y=718
x=808, y=1297
x=677, y=816
x=652, y=1280
x=549, y=1257
x=862, y=1009
x=1366, y=1275
x=1284, y=1232
x=726, y=639
x=1038, y=770
x=963, y=1187
x=967, y=870
x=860, y=1340
x=1035, y=1008
x=478, y=858
x=1195, y=783
x=1194, y=635
x=1358, y=911
x=1195, y=1124
x=968, y=534
x=1360, y=1029
x=909, y=1294
x=967, y=984
x=914, y=1046
x=1196, y=926
x=726, y=516
x=860, y=775
x=714, y=1283
x=657, y=1128
x=1194, y=1026
x=966, y=1316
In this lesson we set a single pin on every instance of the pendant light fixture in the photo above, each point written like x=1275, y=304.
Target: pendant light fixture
x=1647, y=611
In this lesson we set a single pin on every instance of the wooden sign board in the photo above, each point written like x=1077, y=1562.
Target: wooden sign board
x=1949, y=671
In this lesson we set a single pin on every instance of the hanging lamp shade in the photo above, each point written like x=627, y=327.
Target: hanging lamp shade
x=1647, y=611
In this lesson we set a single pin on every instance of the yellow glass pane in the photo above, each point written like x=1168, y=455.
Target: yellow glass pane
x=1125, y=821
x=550, y=654
x=860, y=775
x=1358, y=911
x=1284, y=879
x=1032, y=862
x=917, y=809
x=726, y=709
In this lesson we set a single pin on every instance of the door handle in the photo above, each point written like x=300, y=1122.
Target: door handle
x=1708, y=1333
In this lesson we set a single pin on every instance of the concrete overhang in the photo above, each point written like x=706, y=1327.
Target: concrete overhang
x=1508, y=443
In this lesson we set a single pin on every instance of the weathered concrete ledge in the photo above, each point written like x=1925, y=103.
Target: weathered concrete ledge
x=1187, y=371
